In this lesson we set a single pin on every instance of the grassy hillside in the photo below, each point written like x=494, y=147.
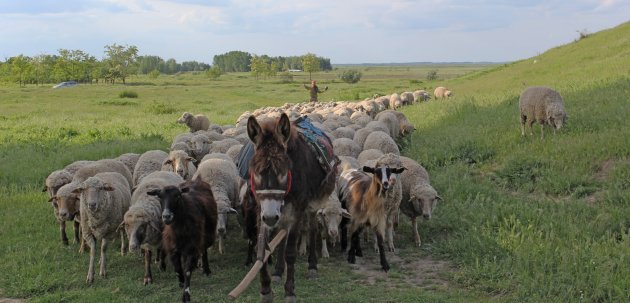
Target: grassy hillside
x=523, y=219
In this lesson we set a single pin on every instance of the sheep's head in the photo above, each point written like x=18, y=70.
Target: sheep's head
x=223, y=210
x=557, y=119
x=171, y=199
x=140, y=226
x=424, y=200
x=177, y=162
x=185, y=118
x=199, y=144
x=91, y=191
x=66, y=202
x=329, y=218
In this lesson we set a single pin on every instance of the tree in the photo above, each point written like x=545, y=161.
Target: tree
x=259, y=66
x=20, y=68
x=121, y=61
x=310, y=64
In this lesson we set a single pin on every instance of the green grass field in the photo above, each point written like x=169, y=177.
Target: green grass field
x=523, y=219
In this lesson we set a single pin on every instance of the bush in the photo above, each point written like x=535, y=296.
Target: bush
x=286, y=77
x=128, y=94
x=432, y=75
x=350, y=76
x=160, y=108
x=154, y=74
x=214, y=73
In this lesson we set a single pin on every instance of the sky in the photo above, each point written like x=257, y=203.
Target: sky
x=345, y=31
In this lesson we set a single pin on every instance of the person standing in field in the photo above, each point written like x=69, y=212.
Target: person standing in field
x=314, y=90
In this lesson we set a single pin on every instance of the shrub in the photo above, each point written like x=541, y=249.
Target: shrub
x=214, y=72
x=432, y=74
x=128, y=94
x=154, y=74
x=160, y=108
x=286, y=77
x=350, y=76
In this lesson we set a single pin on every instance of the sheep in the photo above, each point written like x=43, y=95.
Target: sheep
x=142, y=222
x=395, y=101
x=199, y=145
x=223, y=145
x=378, y=125
x=344, y=132
x=381, y=141
x=76, y=165
x=363, y=197
x=242, y=138
x=329, y=217
x=104, y=165
x=346, y=147
x=441, y=92
x=406, y=128
x=180, y=163
x=211, y=135
x=543, y=105
x=418, y=196
x=194, y=123
x=223, y=178
x=421, y=95
x=149, y=162
x=216, y=156
x=129, y=159
x=104, y=199
x=392, y=197
x=390, y=120
x=234, y=132
x=189, y=213
x=407, y=98
x=233, y=152
x=360, y=135
x=369, y=154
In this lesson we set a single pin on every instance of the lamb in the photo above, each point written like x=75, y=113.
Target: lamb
x=381, y=141
x=363, y=196
x=180, y=163
x=149, y=162
x=442, y=92
x=129, y=159
x=104, y=199
x=369, y=154
x=346, y=147
x=418, y=196
x=544, y=105
x=329, y=217
x=143, y=221
x=195, y=123
x=222, y=176
x=190, y=214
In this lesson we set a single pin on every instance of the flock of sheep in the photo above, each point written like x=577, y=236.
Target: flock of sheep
x=112, y=198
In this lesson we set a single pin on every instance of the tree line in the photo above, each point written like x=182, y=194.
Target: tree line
x=121, y=61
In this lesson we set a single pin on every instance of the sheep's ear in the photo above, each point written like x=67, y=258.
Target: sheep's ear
x=77, y=190
x=108, y=187
x=398, y=170
x=345, y=213
x=254, y=131
x=438, y=197
x=45, y=188
x=52, y=198
x=167, y=162
x=191, y=159
x=283, y=129
x=154, y=192
x=368, y=169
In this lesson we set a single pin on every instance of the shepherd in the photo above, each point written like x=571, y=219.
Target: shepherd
x=314, y=90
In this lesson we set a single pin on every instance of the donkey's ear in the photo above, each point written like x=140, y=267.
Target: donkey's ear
x=283, y=129
x=254, y=131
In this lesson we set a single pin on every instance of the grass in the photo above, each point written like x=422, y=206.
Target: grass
x=522, y=219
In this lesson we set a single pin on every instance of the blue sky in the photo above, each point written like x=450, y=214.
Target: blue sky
x=353, y=31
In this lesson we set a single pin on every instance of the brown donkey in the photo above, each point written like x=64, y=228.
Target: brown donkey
x=287, y=180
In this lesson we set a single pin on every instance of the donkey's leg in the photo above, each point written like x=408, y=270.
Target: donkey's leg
x=290, y=256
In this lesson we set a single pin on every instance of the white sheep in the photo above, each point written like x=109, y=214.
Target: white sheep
x=103, y=165
x=421, y=95
x=194, y=123
x=346, y=147
x=419, y=198
x=216, y=156
x=378, y=125
x=129, y=159
x=395, y=101
x=143, y=220
x=234, y=151
x=381, y=141
x=407, y=98
x=543, y=105
x=368, y=154
x=149, y=162
x=360, y=135
x=179, y=162
x=223, y=145
x=350, y=162
x=344, y=132
x=222, y=175
x=442, y=92
x=390, y=120
x=104, y=199
x=199, y=145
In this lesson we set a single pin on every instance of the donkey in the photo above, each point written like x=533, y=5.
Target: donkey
x=287, y=180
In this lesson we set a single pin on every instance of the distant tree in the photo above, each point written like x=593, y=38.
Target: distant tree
x=171, y=66
x=259, y=66
x=146, y=64
x=310, y=64
x=350, y=76
x=121, y=61
x=154, y=74
x=20, y=68
x=233, y=61
x=432, y=74
x=213, y=73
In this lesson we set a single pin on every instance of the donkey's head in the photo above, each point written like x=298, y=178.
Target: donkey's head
x=270, y=171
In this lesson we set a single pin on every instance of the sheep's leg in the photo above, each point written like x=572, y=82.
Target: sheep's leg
x=204, y=263
x=379, y=239
x=221, y=245
x=62, y=230
x=290, y=256
x=91, y=242
x=123, y=248
x=542, y=130
x=523, y=120
x=176, y=260
x=103, y=271
x=280, y=263
x=390, y=236
x=148, y=277
x=416, y=235
x=530, y=124
x=325, y=253
x=77, y=232
x=190, y=261
x=374, y=242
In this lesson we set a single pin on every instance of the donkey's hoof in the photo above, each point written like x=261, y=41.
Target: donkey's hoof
x=312, y=274
x=266, y=298
x=276, y=279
